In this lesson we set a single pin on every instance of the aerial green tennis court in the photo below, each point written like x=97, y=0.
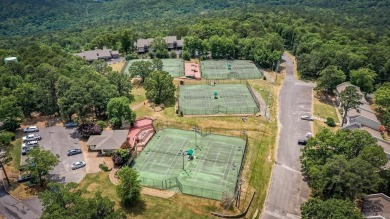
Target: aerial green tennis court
x=175, y=67
x=213, y=170
x=225, y=69
x=215, y=99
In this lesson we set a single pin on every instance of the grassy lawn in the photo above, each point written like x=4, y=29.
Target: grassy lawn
x=178, y=206
x=139, y=95
x=319, y=125
x=324, y=110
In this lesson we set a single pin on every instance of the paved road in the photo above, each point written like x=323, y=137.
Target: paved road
x=13, y=209
x=288, y=190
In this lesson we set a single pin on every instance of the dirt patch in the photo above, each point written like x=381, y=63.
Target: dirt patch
x=118, y=66
x=92, y=187
x=157, y=193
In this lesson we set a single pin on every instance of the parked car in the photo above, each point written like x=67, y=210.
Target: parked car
x=24, y=178
x=31, y=137
x=308, y=118
x=74, y=152
x=71, y=124
x=302, y=142
x=32, y=143
x=309, y=135
x=78, y=164
x=24, y=151
x=31, y=129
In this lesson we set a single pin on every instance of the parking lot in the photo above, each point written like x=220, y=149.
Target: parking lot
x=59, y=140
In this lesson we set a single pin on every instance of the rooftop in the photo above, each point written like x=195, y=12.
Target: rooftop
x=376, y=205
x=109, y=140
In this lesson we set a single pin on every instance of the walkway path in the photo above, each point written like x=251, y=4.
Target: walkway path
x=288, y=190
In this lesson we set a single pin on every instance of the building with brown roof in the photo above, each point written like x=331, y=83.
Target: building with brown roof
x=376, y=206
x=108, y=141
x=93, y=55
x=143, y=45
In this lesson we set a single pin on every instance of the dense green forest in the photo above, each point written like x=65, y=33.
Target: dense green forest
x=25, y=17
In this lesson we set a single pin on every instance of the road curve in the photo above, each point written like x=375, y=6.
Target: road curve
x=287, y=189
x=11, y=208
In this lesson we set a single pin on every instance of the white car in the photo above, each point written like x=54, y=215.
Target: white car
x=32, y=143
x=31, y=129
x=78, y=164
x=309, y=135
x=31, y=137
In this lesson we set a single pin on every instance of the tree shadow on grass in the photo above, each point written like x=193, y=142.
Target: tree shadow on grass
x=137, y=209
x=325, y=98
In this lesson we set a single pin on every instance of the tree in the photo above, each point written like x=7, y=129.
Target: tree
x=186, y=56
x=88, y=129
x=126, y=41
x=349, y=99
x=382, y=96
x=363, y=78
x=5, y=150
x=141, y=69
x=375, y=155
x=26, y=95
x=40, y=162
x=327, y=144
x=117, y=109
x=329, y=78
x=122, y=83
x=159, y=87
x=342, y=178
x=120, y=156
x=10, y=112
x=158, y=64
x=158, y=43
x=129, y=188
x=65, y=201
x=331, y=208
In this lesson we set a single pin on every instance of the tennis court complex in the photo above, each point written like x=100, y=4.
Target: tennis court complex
x=214, y=99
x=224, y=69
x=175, y=67
x=211, y=170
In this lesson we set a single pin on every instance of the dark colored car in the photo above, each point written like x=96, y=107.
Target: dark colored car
x=71, y=124
x=24, y=151
x=302, y=142
x=74, y=152
x=24, y=178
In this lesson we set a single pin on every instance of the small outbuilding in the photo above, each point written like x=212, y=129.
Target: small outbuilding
x=108, y=141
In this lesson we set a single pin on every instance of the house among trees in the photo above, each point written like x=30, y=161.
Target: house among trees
x=364, y=118
x=143, y=45
x=104, y=54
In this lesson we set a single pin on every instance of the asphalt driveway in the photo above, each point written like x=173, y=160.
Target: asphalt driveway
x=59, y=140
x=288, y=190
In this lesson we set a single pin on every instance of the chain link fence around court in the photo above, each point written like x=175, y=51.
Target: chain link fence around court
x=185, y=189
x=201, y=188
x=230, y=69
x=211, y=99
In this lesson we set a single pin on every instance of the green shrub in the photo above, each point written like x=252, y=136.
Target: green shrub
x=103, y=167
x=101, y=124
x=330, y=122
x=264, y=78
x=131, y=56
x=6, y=137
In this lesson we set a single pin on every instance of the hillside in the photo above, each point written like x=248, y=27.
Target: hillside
x=26, y=17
